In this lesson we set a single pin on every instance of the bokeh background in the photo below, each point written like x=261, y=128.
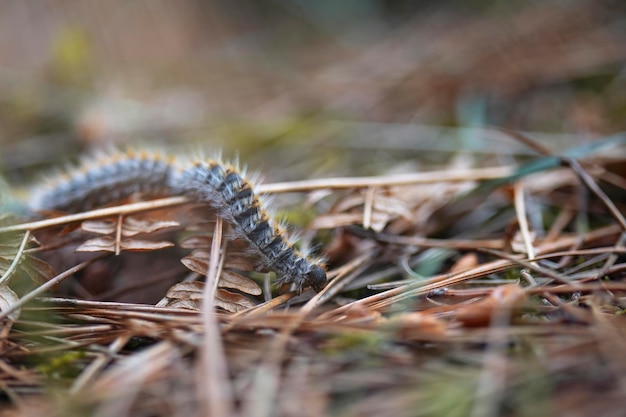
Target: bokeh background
x=307, y=88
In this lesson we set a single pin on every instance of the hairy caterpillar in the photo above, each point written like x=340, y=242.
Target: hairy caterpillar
x=221, y=186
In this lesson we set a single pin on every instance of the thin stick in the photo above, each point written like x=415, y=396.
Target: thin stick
x=593, y=186
x=214, y=389
x=388, y=180
x=93, y=214
x=118, y=234
x=411, y=290
x=347, y=274
x=368, y=207
x=621, y=242
x=426, y=242
x=522, y=220
x=294, y=186
x=45, y=287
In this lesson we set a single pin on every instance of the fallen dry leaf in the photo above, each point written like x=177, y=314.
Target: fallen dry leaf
x=107, y=244
x=465, y=262
x=413, y=326
x=7, y=299
x=507, y=297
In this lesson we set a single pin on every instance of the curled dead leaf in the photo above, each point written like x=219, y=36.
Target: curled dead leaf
x=7, y=299
x=107, y=244
x=186, y=295
x=358, y=313
x=232, y=302
x=101, y=227
x=134, y=226
x=131, y=227
x=189, y=295
x=200, y=259
x=230, y=279
x=507, y=297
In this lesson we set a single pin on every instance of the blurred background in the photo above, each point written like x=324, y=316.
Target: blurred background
x=305, y=89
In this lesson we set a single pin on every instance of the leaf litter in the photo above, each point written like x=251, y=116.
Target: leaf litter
x=464, y=299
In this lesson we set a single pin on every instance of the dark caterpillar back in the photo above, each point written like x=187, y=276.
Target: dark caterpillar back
x=222, y=186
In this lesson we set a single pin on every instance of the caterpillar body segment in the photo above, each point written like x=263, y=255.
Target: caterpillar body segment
x=223, y=187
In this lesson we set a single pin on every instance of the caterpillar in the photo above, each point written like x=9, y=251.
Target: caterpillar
x=222, y=186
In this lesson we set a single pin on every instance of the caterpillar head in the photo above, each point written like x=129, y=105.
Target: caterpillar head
x=316, y=278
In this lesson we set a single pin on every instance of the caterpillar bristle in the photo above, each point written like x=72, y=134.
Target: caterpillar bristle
x=109, y=177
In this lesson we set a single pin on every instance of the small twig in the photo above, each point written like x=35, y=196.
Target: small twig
x=214, y=390
x=262, y=308
x=46, y=286
x=426, y=242
x=294, y=186
x=411, y=290
x=94, y=214
x=530, y=264
x=522, y=220
x=368, y=207
x=388, y=180
x=620, y=244
x=118, y=234
x=593, y=186
x=347, y=274
x=531, y=143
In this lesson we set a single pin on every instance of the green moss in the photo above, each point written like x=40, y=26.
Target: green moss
x=62, y=365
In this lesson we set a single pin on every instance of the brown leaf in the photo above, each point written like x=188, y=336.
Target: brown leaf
x=230, y=279
x=107, y=244
x=189, y=295
x=467, y=261
x=196, y=242
x=99, y=244
x=133, y=226
x=140, y=245
x=232, y=302
x=360, y=313
x=101, y=227
x=186, y=304
x=241, y=262
x=413, y=326
x=192, y=290
x=197, y=262
x=507, y=297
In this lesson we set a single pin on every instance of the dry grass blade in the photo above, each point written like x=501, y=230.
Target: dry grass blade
x=388, y=180
x=96, y=214
x=214, y=391
x=429, y=303
x=598, y=191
